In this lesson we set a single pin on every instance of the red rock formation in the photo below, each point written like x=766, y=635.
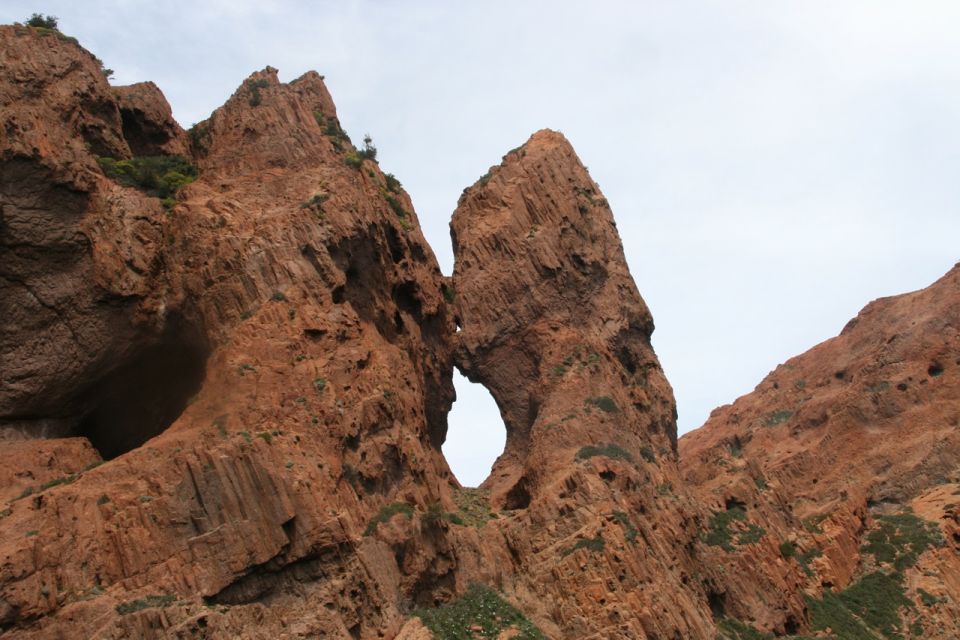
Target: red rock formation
x=283, y=326
x=148, y=125
x=860, y=427
x=222, y=417
x=552, y=323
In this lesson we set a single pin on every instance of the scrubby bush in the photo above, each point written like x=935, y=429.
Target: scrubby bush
x=353, y=160
x=369, y=152
x=479, y=613
x=722, y=534
x=604, y=403
x=867, y=609
x=254, y=86
x=774, y=418
x=900, y=538
x=157, y=176
x=42, y=21
x=607, y=450
x=591, y=544
x=393, y=185
x=386, y=513
x=145, y=603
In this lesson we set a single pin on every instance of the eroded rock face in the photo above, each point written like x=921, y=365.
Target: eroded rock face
x=77, y=291
x=148, y=125
x=553, y=325
x=541, y=284
x=860, y=428
x=223, y=419
x=282, y=330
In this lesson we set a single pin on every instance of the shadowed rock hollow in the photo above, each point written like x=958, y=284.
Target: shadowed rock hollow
x=265, y=364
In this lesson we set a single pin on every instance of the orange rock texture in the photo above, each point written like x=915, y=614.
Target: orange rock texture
x=838, y=445
x=221, y=409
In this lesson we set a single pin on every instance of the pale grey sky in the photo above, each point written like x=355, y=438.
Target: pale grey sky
x=772, y=166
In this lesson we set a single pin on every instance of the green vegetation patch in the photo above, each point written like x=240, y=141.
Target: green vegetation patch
x=604, y=403
x=607, y=450
x=733, y=629
x=386, y=513
x=393, y=184
x=868, y=607
x=395, y=205
x=148, y=602
x=200, y=136
x=449, y=294
x=331, y=128
x=804, y=559
x=353, y=160
x=812, y=524
x=368, y=152
x=735, y=448
x=316, y=201
x=722, y=532
x=253, y=88
x=157, y=176
x=592, y=544
x=434, y=515
x=900, y=539
x=774, y=418
x=473, y=507
x=479, y=613
x=40, y=21
x=49, y=484
x=928, y=599
x=629, y=531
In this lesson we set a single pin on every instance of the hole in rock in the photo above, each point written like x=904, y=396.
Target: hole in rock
x=518, y=497
x=144, y=396
x=717, y=601
x=475, y=433
x=144, y=138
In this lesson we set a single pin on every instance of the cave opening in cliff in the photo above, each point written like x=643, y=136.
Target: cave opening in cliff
x=476, y=434
x=147, y=393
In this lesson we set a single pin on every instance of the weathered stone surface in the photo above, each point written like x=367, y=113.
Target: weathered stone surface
x=552, y=323
x=148, y=125
x=224, y=419
x=295, y=352
x=860, y=426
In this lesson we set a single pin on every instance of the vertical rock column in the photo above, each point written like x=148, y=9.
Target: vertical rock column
x=552, y=323
x=598, y=532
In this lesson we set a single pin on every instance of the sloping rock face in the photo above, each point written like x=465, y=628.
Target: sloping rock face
x=836, y=447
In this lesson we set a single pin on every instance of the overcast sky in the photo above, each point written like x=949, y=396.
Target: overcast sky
x=772, y=166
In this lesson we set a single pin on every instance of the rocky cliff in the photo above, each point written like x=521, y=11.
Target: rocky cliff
x=847, y=458
x=227, y=356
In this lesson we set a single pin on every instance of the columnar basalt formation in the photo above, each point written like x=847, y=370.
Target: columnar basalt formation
x=222, y=406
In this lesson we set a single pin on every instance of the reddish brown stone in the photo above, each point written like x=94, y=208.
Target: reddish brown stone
x=265, y=371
